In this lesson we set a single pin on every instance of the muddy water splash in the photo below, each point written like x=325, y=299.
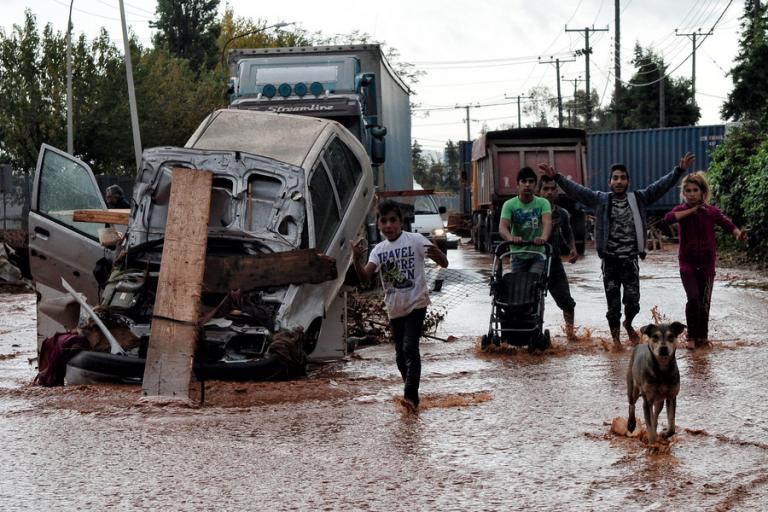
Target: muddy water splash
x=497, y=431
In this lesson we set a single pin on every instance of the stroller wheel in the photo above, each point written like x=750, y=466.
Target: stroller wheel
x=484, y=342
x=496, y=340
x=546, y=340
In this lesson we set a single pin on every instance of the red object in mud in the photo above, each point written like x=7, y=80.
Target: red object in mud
x=55, y=351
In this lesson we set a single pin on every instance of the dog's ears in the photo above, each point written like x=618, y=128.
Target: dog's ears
x=646, y=329
x=677, y=328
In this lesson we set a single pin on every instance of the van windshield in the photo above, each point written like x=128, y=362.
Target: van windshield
x=424, y=205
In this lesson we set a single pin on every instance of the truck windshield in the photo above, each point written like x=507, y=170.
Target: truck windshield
x=292, y=74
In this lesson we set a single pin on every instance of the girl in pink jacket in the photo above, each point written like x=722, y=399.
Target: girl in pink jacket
x=697, y=252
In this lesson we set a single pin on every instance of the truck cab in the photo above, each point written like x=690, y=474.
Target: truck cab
x=353, y=85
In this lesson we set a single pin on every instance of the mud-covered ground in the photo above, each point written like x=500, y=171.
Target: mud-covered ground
x=498, y=431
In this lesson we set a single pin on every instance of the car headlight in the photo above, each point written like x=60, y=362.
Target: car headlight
x=438, y=232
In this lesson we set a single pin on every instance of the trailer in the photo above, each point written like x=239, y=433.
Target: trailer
x=496, y=159
x=352, y=84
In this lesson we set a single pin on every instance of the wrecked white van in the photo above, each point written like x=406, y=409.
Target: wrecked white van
x=281, y=184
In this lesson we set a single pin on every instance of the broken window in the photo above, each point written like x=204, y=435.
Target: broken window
x=325, y=212
x=344, y=168
x=66, y=186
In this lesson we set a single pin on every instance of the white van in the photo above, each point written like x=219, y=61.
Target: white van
x=427, y=218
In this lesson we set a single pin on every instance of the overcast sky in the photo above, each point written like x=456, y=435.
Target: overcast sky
x=476, y=52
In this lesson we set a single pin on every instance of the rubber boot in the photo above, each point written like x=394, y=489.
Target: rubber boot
x=570, y=331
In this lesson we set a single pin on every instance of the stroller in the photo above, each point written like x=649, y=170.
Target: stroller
x=517, y=308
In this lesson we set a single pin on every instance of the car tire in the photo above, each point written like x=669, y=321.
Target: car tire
x=127, y=368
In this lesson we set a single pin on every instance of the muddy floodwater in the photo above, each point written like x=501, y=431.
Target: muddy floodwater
x=498, y=431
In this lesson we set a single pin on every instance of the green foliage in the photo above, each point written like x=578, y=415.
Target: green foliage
x=175, y=87
x=541, y=105
x=32, y=108
x=442, y=176
x=638, y=104
x=420, y=166
x=738, y=174
x=189, y=30
x=748, y=101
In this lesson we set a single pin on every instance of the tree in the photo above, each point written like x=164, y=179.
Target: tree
x=189, y=30
x=575, y=109
x=32, y=106
x=748, y=101
x=420, y=165
x=542, y=106
x=451, y=173
x=638, y=104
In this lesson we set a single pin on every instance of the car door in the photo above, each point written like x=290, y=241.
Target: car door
x=58, y=246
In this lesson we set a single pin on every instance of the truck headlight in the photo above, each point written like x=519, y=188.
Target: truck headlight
x=439, y=232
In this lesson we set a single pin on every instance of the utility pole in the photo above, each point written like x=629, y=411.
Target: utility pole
x=693, y=36
x=575, y=88
x=617, y=63
x=466, y=108
x=131, y=93
x=586, y=51
x=662, y=106
x=556, y=62
x=519, y=97
x=70, y=136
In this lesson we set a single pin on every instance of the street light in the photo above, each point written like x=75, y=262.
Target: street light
x=250, y=33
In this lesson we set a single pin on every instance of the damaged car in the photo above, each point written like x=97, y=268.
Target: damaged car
x=288, y=192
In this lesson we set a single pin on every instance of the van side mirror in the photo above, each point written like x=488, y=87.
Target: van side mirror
x=442, y=210
x=378, y=146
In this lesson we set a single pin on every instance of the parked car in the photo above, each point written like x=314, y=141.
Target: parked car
x=280, y=183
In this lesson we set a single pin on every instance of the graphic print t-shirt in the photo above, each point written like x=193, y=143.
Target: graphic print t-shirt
x=525, y=219
x=622, y=241
x=400, y=264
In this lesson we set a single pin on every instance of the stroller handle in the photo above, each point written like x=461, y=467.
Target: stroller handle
x=503, y=247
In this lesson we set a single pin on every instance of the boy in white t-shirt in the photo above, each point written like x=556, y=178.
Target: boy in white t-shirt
x=400, y=261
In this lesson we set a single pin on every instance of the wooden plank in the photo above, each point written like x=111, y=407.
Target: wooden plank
x=173, y=333
x=116, y=216
x=246, y=272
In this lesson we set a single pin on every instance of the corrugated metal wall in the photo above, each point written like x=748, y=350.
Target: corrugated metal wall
x=649, y=154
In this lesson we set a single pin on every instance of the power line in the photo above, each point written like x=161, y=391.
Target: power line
x=97, y=15
x=666, y=75
x=473, y=61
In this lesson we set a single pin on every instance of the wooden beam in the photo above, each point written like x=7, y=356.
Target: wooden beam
x=174, y=331
x=246, y=272
x=116, y=216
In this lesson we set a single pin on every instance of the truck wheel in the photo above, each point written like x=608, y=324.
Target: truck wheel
x=489, y=237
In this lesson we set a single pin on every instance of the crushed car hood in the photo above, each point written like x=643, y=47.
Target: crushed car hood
x=273, y=213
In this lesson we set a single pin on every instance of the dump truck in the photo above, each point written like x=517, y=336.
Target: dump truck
x=497, y=157
x=352, y=84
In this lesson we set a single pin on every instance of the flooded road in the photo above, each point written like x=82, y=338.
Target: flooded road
x=498, y=431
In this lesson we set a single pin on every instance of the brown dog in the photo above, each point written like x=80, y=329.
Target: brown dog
x=653, y=374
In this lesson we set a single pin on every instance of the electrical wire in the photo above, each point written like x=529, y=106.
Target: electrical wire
x=701, y=41
x=111, y=18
